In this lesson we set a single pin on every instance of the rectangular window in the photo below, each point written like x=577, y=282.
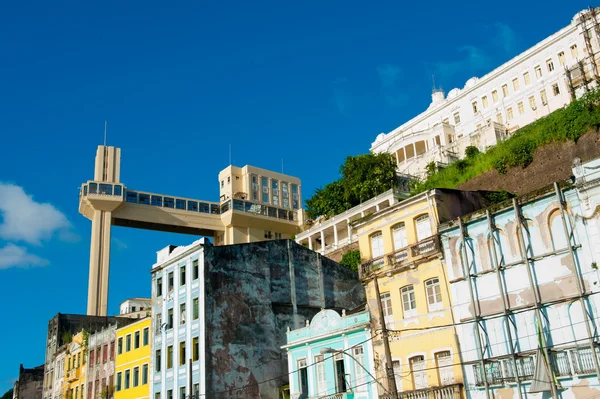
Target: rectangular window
x=499, y=118
x=555, y=89
x=181, y=392
x=509, y=114
x=456, y=118
x=192, y=206
x=127, y=382
x=434, y=293
x=128, y=343
x=515, y=83
x=550, y=65
x=320, y=371
x=504, y=90
x=386, y=303
x=182, y=275
x=359, y=369
x=144, y=374
x=409, y=301
x=170, y=319
x=169, y=202
x=543, y=97
x=195, y=269
x=136, y=340
x=92, y=353
x=159, y=287
x=112, y=350
x=158, y=323
x=195, y=349
x=495, y=96
x=521, y=108
x=156, y=200
x=171, y=281
x=118, y=387
x=170, y=394
x=156, y=395
x=170, y=357
x=532, y=103
x=158, y=359
x=146, y=335
x=484, y=101
x=526, y=78
x=144, y=199
x=182, y=314
x=195, y=308
x=182, y=353
x=136, y=376
x=179, y=204
x=377, y=249
x=538, y=71
x=561, y=58
x=196, y=391
x=474, y=105
x=574, y=52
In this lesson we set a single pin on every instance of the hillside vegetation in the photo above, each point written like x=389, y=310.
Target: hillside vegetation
x=568, y=123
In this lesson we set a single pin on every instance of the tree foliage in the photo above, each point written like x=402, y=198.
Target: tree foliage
x=8, y=394
x=351, y=259
x=568, y=123
x=362, y=177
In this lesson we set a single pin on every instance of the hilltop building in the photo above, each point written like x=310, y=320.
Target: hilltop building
x=225, y=310
x=255, y=205
x=538, y=81
x=135, y=308
x=29, y=385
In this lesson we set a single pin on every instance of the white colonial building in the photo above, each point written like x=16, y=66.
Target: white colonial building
x=486, y=110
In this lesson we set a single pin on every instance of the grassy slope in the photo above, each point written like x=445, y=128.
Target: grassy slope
x=568, y=123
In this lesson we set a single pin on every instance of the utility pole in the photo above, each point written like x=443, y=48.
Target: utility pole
x=389, y=367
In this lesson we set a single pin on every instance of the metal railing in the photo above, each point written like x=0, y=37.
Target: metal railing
x=453, y=391
x=401, y=258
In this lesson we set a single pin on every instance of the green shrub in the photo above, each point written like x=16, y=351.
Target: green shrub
x=351, y=259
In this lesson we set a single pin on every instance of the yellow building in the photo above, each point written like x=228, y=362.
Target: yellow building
x=399, y=246
x=132, y=365
x=75, y=375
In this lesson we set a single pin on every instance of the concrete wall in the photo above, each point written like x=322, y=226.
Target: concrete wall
x=253, y=293
x=29, y=385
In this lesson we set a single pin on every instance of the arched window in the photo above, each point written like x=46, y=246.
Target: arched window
x=423, y=227
x=377, y=244
x=417, y=368
x=409, y=301
x=434, y=294
x=557, y=231
x=399, y=234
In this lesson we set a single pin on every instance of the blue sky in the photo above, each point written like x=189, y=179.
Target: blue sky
x=310, y=82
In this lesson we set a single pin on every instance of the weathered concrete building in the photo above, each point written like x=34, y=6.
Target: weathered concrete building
x=30, y=382
x=225, y=310
x=524, y=287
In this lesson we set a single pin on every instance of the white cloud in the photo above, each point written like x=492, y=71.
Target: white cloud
x=14, y=256
x=24, y=219
x=388, y=74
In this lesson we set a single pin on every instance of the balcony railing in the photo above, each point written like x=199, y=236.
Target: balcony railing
x=343, y=395
x=72, y=375
x=565, y=363
x=403, y=257
x=445, y=392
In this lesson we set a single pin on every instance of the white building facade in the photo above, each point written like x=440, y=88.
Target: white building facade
x=486, y=110
x=178, y=317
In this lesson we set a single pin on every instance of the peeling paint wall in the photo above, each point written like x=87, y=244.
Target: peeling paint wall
x=555, y=274
x=253, y=292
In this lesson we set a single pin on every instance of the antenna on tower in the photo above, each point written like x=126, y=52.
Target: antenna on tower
x=105, y=124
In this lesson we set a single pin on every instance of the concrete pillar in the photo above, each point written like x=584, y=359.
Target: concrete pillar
x=404, y=152
x=335, y=236
x=310, y=245
x=322, y=242
x=99, y=264
x=377, y=208
x=349, y=230
x=414, y=150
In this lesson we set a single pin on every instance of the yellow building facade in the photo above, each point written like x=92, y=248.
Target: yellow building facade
x=400, y=252
x=75, y=375
x=132, y=365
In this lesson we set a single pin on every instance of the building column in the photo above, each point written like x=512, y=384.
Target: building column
x=414, y=150
x=310, y=245
x=377, y=208
x=335, y=236
x=404, y=152
x=322, y=242
x=99, y=264
x=349, y=230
